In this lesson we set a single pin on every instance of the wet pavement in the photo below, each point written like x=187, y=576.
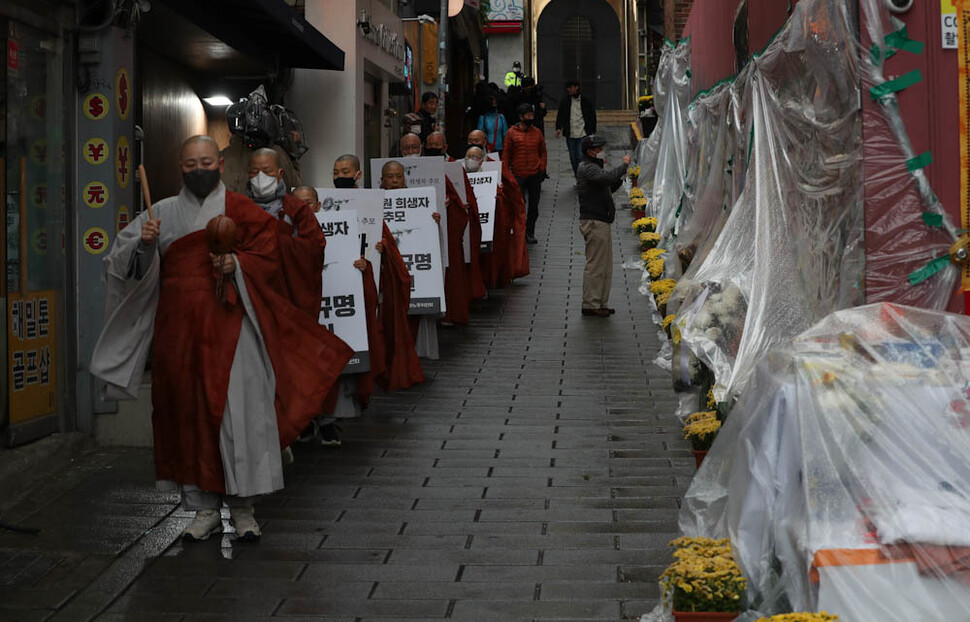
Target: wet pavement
x=535, y=476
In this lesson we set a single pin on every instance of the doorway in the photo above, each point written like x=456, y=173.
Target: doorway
x=581, y=40
x=33, y=233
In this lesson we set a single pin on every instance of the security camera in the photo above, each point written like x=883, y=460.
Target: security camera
x=364, y=22
x=899, y=6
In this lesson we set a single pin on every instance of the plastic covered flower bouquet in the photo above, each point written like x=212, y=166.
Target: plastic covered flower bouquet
x=703, y=578
x=634, y=173
x=721, y=318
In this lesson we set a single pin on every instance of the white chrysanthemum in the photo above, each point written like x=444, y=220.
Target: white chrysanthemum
x=713, y=333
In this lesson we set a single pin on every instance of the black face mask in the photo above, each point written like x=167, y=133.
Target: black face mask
x=201, y=181
x=344, y=182
x=527, y=122
x=431, y=151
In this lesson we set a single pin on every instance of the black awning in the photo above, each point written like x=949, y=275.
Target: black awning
x=262, y=28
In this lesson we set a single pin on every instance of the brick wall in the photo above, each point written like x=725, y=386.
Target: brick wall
x=676, y=13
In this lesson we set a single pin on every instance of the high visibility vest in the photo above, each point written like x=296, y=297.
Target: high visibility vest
x=512, y=79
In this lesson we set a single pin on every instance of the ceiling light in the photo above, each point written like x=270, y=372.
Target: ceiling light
x=217, y=100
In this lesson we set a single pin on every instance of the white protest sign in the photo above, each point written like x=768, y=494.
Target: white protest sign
x=408, y=213
x=495, y=155
x=456, y=175
x=488, y=167
x=485, y=186
x=342, y=309
x=421, y=172
x=369, y=205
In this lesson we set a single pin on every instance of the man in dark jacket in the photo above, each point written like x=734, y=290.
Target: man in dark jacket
x=576, y=120
x=595, y=186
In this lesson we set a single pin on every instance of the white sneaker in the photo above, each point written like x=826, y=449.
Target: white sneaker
x=205, y=523
x=244, y=520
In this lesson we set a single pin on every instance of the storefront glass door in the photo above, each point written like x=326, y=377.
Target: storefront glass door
x=32, y=288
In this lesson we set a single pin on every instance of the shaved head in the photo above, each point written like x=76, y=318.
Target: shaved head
x=348, y=158
x=392, y=176
x=306, y=191
x=436, y=140
x=199, y=144
x=266, y=152
x=410, y=145
x=478, y=138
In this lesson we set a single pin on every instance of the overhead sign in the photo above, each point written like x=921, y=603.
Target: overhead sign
x=342, y=309
x=369, y=205
x=408, y=214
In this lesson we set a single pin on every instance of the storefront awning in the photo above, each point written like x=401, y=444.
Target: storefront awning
x=263, y=28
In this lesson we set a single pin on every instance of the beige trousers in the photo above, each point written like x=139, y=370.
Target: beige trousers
x=598, y=275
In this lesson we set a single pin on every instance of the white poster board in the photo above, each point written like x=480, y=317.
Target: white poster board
x=421, y=172
x=369, y=205
x=490, y=167
x=485, y=185
x=342, y=309
x=408, y=214
x=495, y=155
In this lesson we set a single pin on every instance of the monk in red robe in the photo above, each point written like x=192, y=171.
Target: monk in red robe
x=300, y=239
x=233, y=380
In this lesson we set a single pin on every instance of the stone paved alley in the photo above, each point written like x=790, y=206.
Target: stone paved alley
x=535, y=476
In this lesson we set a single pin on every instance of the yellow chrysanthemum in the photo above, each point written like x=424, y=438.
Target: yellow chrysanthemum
x=667, y=321
x=801, y=617
x=655, y=268
x=651, y=254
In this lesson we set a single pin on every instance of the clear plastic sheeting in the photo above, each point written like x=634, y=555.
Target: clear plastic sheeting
x=899, y=242
x=791, y=250
x=841, y=476
x=671, y=170
x=671, y=79
x=717, y=142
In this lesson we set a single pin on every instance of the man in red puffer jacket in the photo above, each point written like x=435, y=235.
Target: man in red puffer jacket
x=525, y=153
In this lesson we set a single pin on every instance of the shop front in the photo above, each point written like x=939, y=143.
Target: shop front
x=35, y=232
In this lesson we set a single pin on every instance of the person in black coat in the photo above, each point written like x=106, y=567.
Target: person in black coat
x=576, y=120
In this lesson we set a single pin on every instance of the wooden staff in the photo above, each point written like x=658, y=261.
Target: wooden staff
x=145, y=193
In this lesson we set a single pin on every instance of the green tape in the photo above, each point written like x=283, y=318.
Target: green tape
x=921, y=161
x=933, y=219
x=895, y=85
x=901, y=41
x=918, y=276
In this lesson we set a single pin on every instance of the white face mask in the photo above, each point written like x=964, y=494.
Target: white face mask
x=416, y=129
x=472, y=165
x=601, y=155
x=263, y=185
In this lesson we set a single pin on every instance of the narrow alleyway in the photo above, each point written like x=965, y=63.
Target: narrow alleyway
x=535, y=476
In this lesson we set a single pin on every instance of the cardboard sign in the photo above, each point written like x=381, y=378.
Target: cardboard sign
x=408, y=214
x=342, y=305
x=421, y=172
x=369, y=205
x=485, y=186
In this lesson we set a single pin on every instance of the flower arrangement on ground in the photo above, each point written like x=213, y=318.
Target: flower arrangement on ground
x=638, y=202
x=801, y=617
x=648, y=240
x=644, y=225
x=661, y=291
x=701, y=429
x=655, y=268
x=651, y=254
x=634, y=172
x=704, y=577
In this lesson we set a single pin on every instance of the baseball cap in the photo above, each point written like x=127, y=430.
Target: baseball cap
x=592, y=142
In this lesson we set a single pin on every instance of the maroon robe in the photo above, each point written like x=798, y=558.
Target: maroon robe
x=301, y=255
x=458, y=289
x=195, y=342
x=403, y=370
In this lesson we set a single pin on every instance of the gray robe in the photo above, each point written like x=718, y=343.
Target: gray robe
x=249, y=436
